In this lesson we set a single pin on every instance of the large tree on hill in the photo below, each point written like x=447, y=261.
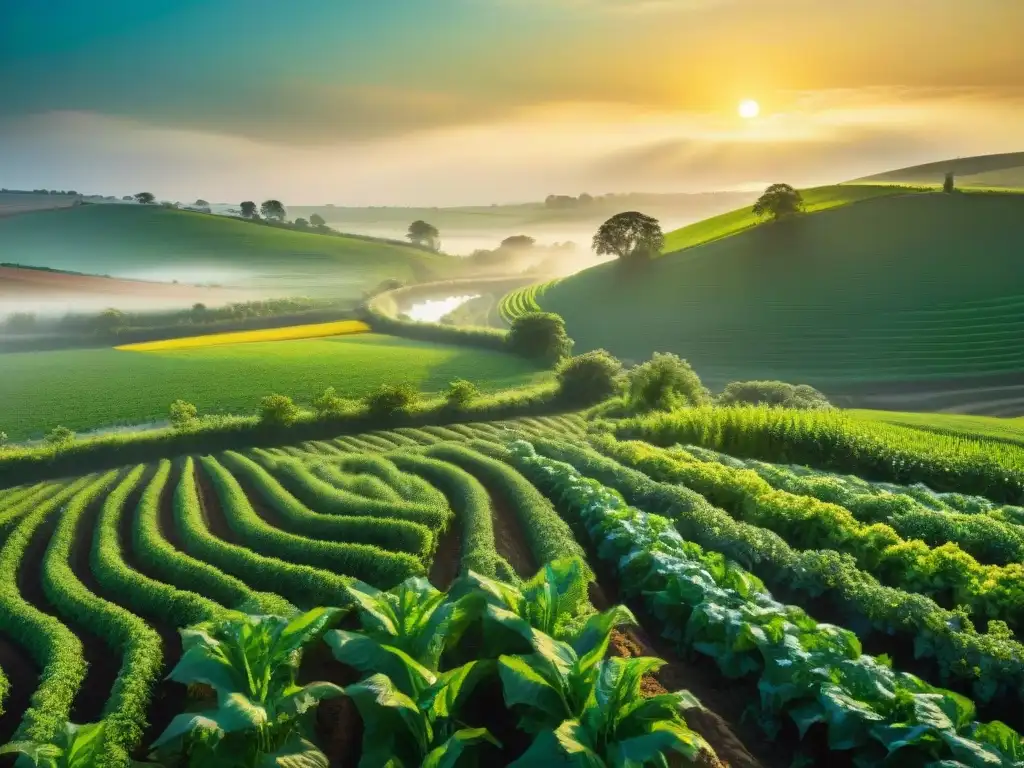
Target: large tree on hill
x=273, y=209
x=248, y=209
x=317, y=221
x=779, y=201
x=145, y=198
x=518, y=243
x=422, y=233
x=630, y=236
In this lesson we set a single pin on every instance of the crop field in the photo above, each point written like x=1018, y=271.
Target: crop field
x=900, y=289
x=154, y=243
x=971, y=427
x=851, y=599
x=112, y=387
x=523, y=300
x=286, y=333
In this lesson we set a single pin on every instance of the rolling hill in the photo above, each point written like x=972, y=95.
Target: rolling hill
x=154, y=243
x=895, y=289
x=985, y=171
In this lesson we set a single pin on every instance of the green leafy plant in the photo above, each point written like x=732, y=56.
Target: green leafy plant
x=389, y=399
x=59, y=438
x=663, y=383
x=279, y=410
x=588, y=378
x=77, y=746
x=251, y=663
x=461, y=393
x=183, y=414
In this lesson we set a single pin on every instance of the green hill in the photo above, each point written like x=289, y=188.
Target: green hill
x=984, y=171
x=151, y=242
x=914, y=286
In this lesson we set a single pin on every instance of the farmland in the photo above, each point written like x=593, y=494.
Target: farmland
x=154, y=243
x=130, y=387
x=899, y=289
x=721, y=553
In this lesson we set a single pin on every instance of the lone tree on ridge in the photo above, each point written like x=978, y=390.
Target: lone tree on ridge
x=518, y=243
x=273, y=209
x=630, y=236
x=317, y=221
x=779, y=201
x=248, y=209
x=422, y=233
x=949, y=184
x=145, y=198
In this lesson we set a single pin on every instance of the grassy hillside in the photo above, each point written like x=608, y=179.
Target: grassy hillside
x=906, y=287
x=1009, y=431
x=1005, y=170
x=92, y=388
x=162, y=244
x=815, y=199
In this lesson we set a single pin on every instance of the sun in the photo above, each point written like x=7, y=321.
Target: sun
x=749, y=109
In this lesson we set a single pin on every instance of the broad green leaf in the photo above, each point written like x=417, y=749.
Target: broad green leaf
x=186, y=723
x=199, y=665
x=560, y=655
x=591, y=643
x=665, y=736
x=544, y=751
x=297, y=753
x=302, y=628
x=238, y=713
x=377, y=698
x=848, y=719
x=971, y=752
x=576, y=742
x=41, y=755
x=367, y=655
x=374, y=608
x=448, y=754
x=1000, y=736
x=83, y=744
x=445, y=695
x=522, y=684
x=299, y=699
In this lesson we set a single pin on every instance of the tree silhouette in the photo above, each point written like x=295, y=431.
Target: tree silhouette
x=248, y=209
x=779, y=201
x=273, y=209
x=629, y=236
x=201, y=203
x=301, y=223
x=518, y=242
x=317, y=221
x=949, y=184
x=145, y=198
x=422, y=233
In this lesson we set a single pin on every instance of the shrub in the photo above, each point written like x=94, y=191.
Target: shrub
x=773, y=393
x=589, y=378
x=183, y=414
x=391, y=398
x=328, y=402
x=540, y=336
x=663, y=383
x=278, y=409
x=59, y=437
x=460, y=393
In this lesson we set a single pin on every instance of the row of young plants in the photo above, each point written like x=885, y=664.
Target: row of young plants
x=945, y=573
x=814, y=674
x=409, y=487
x=21, y=503
x=834, y=441
x=914, y=512
x=426, y=661
x=989, y=665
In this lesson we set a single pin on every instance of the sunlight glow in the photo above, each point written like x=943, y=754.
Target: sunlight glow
x=749, y=109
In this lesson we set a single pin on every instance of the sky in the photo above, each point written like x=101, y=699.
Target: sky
x=449, y=102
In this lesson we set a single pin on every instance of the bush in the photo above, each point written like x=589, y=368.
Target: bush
x=328, y=403
x=3, y=440
x=391, y=398
x=59, y=437
x=461, y=393
x=773, y=393
x=540, y=336
x=278, y=410
x=183, y=414
x=663, y=383
x=588, y=378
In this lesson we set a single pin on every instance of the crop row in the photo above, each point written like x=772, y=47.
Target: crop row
x=990, y=665
x=946, y=573
x=814, y=673
x=906, y=510
x=522, y=301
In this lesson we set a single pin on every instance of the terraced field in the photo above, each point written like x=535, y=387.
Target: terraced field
x=813, y=614
x=523, y=300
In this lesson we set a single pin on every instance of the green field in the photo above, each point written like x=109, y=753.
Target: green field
x=956, y=425
x=901, y=288
x=982, y=172
x=150, y=242
x=94, y=388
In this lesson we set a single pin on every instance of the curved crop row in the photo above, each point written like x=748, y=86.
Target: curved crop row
x=408, y=487
x=125, y=633
x=416, y=435
x=24, y=503
x=522, y=301
x=361, y=561
x=377, y=441
x=472, y=507
x=814, y=673
x=53, y=646
x=946, y=573
x=393, y=436
x=986, y=538
x=387, y=535
x=303, y=585
x=549, y=537
x=184, y=570
x=991, y=665
x=139, y=592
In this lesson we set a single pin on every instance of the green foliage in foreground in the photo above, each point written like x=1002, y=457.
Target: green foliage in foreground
x=124, y=387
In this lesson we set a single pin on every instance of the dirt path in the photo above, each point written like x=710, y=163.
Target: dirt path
x=23, y=674
x=165, y=516
x=509, y=537
x=209, y=503
x=448, y=557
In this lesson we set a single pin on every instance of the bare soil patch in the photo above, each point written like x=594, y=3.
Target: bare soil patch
x=209, y=503
x=23, y=674
x=509, y=537
x=448, y=556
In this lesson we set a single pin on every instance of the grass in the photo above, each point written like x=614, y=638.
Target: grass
x=163, y=244
x=523, y=300
x=954, y=425
x=287, y=333
x=898, y=289
x=984, y=171
x=94, y=388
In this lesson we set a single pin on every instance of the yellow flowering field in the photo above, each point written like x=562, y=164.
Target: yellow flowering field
x=288, y=333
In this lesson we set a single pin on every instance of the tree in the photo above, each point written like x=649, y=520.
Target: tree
x=663, y=383
x=518, y=243
x=948, y=185
x=248, y=209
x=145, y=198
x=540, y=336
x=629, y=236
x=200, y=203
x=388, y=399
x=182, y=414
x=460, y=393
x=273, y=209
x=588, y=378
x=301, y=223
x=59, y=438
x=779, y=201
x=128, y=198
x=278, y=410
x=422, y=233
x=317, y=221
